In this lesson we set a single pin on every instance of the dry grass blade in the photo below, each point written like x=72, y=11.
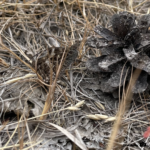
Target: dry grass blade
x=70, y=136
x=4, y=124
x=33, y=145
x=106, y=5
x=18, y=48
x=78, y=135
x=52, y=88
x=12, y=135
x=17, y=145
x=1, y=43
x=140, y=4
x=17, y=79
x=124, y=105
x=2, y=62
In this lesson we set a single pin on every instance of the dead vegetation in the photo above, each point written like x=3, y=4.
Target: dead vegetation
x=49, y=100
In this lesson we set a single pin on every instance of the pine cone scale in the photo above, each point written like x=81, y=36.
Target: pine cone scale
x=126, y=48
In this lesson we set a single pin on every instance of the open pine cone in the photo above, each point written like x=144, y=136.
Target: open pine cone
x=122, y=51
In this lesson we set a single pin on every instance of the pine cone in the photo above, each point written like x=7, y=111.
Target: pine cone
x=123, y=50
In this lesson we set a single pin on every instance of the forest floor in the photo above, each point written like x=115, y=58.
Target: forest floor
x=48, y=99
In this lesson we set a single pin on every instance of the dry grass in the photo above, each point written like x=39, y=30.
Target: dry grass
x=42, y=91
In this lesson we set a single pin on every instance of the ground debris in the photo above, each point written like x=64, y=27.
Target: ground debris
x=41, y=41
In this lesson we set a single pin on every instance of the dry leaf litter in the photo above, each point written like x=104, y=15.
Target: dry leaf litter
x=81, y=44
